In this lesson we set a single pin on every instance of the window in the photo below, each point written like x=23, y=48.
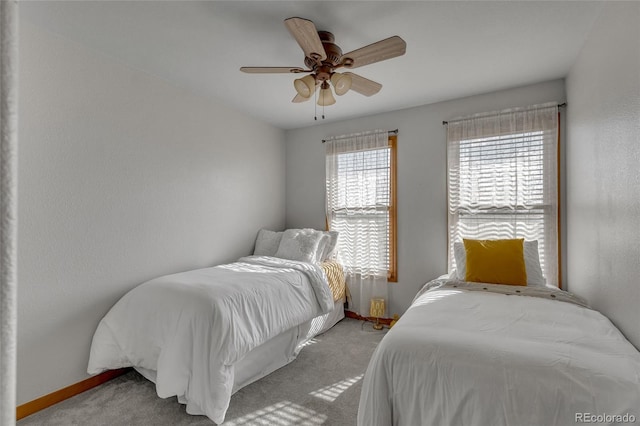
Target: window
x=361, y=202
x=503, y=180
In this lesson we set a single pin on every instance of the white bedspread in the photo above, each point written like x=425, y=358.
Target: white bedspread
x=192, y=327
x=462, y=356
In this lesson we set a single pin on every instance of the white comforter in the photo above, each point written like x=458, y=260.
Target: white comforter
x=192, y=327
x=462, y=355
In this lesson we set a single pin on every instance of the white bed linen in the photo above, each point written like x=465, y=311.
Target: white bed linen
x=461, y=357
x=277, y=352
x=283, y=349
x=192, y=327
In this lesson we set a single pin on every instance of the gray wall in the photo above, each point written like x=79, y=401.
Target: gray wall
x=603, y=168
x=122, y=178
x=422, y=214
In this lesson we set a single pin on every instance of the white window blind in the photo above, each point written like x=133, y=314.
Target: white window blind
x=503, y=180
x=359, y=201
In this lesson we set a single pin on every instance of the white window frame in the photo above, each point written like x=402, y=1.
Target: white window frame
x=530, y=137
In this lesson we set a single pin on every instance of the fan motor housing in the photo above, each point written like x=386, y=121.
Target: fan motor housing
x=333, y=52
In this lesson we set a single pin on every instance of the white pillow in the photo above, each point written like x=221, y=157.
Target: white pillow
x=329, y=251
x=531, y=263
x=300, y=245
x=460, y=255
x=267, y=243
x=325, y=239
x=535, y=276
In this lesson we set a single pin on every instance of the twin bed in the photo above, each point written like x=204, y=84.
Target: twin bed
x=469, y=353
x=202, y=335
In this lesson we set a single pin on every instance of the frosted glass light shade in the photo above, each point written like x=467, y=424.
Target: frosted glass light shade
x=341, y=83
x=305, y=86
x=325, y=97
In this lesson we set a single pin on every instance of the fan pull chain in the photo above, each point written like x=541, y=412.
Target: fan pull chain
x=322, y=99
x=315, y=104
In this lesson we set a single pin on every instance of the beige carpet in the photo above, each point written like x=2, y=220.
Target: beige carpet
x=321, y=387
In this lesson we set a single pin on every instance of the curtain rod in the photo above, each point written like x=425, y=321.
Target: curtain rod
x=564, y=104
x=391, y=132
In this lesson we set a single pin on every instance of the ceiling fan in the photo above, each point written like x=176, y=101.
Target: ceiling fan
x=323, y=57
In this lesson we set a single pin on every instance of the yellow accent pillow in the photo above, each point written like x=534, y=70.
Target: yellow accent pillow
x=496, y=261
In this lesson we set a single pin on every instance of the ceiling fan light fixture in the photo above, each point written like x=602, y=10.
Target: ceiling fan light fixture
x=341, y=83
x=325, y=97
x=305, y=86
x=322, y=57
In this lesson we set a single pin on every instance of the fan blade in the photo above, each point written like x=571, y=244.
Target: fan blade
x=305, y=33
x=376, y=52
x=299, y=99
x=273, y=70
x=363, y=85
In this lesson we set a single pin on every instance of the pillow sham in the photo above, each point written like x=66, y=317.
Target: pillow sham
x=299, y=244
x=267, y=243
x=329, y=252
x=495, y=261
x=535, y=277
x=324, y=240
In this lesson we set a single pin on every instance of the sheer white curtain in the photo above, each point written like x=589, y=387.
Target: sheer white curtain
x=503, y=180
x=358, y=200
x=8, y=207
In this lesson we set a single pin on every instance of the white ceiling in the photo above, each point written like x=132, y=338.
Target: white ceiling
x=454, y=48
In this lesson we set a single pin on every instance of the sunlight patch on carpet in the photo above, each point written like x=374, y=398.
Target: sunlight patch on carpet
x=332, y=392
x=283, y=413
